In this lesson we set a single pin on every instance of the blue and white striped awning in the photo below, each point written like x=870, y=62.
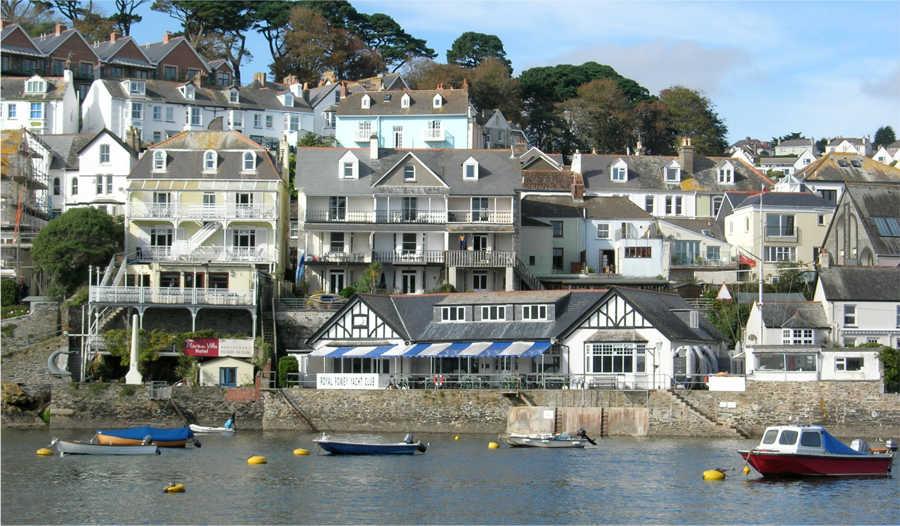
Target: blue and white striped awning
x=519, y=349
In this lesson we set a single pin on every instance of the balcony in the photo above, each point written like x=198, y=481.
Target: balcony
x=340, y=257
x=782, y=234
x=681, y=260
x=204, y=254
x=345, y=216
x=480, y=216
x=172, y=296
x=201, y=212
x=411, y=257
x=414, y=217
x=363, y=135
x=481, y=258
x=433, y=135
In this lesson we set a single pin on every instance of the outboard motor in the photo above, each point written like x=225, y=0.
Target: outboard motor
x=859, y=445
x=408, y=439
x=891, y=444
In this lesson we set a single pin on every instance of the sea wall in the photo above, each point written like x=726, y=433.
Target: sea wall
x=295, y=326
x=41, y=322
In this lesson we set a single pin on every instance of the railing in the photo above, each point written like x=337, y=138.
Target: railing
x=420, y=256
x=433, y=134
x=203, y=254
x=684, y=261
x=481, y=258
x=525, y=275
x=380, y=216
x=346, y=216
x=294, y=229
x=171, y=296
x=173, y=211
x=778, y=234
x=340, y=257
x=507, y=380
x=479, y=216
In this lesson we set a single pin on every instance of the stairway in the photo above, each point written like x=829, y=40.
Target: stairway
x=725, y=428
x=208, y=229
x=526, y=276
x=604, y=423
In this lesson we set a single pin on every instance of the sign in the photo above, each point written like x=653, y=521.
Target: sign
x=352, y=381
x=215, y=347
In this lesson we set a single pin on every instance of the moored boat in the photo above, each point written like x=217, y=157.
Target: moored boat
x=136, y=436
x=206, y=429
x=550, y=440
x=66, y=447
x=811, y=451
x=343, y=447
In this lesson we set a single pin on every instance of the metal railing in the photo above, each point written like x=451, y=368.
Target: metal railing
x=419, y=256
x=342, y=216
x=480, y=216
x=340, y=257
x=204, y=254
x=433, y=134
x=415, y=216
x=171, y=296
x=202, y=212
x=699, y=261
x=481, y=258
x=779, y=234
x=510, y=381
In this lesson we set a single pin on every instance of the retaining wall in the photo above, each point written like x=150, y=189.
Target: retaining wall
x=294, y=327
x=41, y=322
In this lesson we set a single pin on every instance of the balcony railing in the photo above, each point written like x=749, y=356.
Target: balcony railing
x=781, y=234
x=416, y=257
x=171, y=296
x=421, y=217
x=345, y=216
x=481, y=258
x=433, y=134
x=340, y=257
x=480, y=216
x=174, y=211
x=698, y=261
x=203, y=254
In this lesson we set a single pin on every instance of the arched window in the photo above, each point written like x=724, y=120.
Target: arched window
x=74, y=186
x=209, y=161
x=56, y=186
x=249, y=162
x=366, y=102
x=159, y=160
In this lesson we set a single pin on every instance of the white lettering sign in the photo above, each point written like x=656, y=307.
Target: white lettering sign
x=351, y=381
x=242, y=348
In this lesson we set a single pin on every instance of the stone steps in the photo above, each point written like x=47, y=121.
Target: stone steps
x=727, y=428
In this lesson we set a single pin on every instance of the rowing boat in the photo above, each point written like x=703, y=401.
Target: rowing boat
x=136, y=436
x=66, y=447
x=343, y=447
x=207, y=429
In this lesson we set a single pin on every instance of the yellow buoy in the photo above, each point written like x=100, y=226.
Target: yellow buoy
x=746, y=470
x=44, y=452
x=713, y=474
x=300, y=452
x=256, y=459
x=455, y=437
x=493, y=445
x=174, y=488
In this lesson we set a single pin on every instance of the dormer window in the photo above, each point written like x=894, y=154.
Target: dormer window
x=188, y=91
x=726, y=174
x=234, y=96
x=404, y=101
x=437, y=101
x=673, y=172
x=288, y=100
x=249, y=164
x=35, y=85
x=534, y=312
x=366, y=102
x=619, y=172
x=159, y=161
x=470, y=169
x=456, y=313
x=493, y=313
x=209, y=161
x=136, y=87
x=409, y=173
x=348, y=167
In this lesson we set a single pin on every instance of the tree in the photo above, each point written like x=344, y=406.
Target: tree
x=890, y=359
x=383, y=34
x=471, y=49
x=884, y=136
x=693, y=115
x=35, y=17
x=124, y=14
x=601, y=116
x=65, y=248
x=94, y=26
x=491, y=87
x=821, y=144
x=73, y=10
x=654, y=129
x=311, y=139
x=270, y=19
x=368, y=282
x=788, y=137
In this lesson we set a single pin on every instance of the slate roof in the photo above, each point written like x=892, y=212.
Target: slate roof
x=796, y=142
x=251, y=98
x=849, y=167
x=856, y=141
x=550, y=206
x=456, y=102
x=778, y=161
x=794, y=315
x=791, y=199
x=13, y=88
x=645, y=172
x=157, y=51
x=65, y=148
x=48, y=43
x=107, y=50
x=229, y=145
x=703, y=226
x=616, y=207
x=861, y=283
x=877, y=200
x=748, y=298
x=534, y=153
x=658, y=307
x=317, y=170
x=8, y=30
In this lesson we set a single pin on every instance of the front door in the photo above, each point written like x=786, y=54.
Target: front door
x=607, y=261
x=335, y=281
x=479, y=242
x=228, y=376
x=408, y=283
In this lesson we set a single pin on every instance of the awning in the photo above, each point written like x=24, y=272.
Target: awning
x=439, y=350
x=365, y=351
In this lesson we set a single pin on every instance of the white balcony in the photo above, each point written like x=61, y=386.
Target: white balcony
x=433, y=135
x=205, y=254
x=172, y=296
x=202, y=212
x=480, y=216
x=481, y=258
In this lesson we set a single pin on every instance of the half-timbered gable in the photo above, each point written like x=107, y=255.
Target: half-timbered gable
x=616, y=313
x=357, y=321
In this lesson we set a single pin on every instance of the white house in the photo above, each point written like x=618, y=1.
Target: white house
x=862, y=304
x=39, y=104
x=794, y=146
x=889, y=155
x=858, y=145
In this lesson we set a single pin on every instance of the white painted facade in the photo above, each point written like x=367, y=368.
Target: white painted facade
x=38, y=115
x=861, y=322
x=859, y=146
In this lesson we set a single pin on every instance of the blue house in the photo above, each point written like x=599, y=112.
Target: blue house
x=407, y=119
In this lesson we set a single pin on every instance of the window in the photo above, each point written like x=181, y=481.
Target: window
x=398, y=137
x=157, y=136
x=616, y=358
x=433, y=131
x=56, y=186
x=170, y=72
x=493, y=313
x=470, y=170
x=534, y=312
x=364, y=130
x=109, y=184
x=11, y=111
x=619, y=173
x=228, y=376
x=408, y=243
x=98, y=185
x=726, y=175
x=796, y=362
x=829, y=195
x=104, y=153
x=37, y=110
x=716, y=205
x=779, y=254
x=293, y=122
x=257, y=120
x=366, y=102
x=336, y=244
x=810, y=439
x=249, y=164
x=408, y=209
x=237, y=119
x=779, y=225
x=648, y=204
x=788, y=438
x=157, y=113
x=898, y=316
x=480, y=210
x=673, y=173
x=170, y=114
x=531, y=260
x=770, y=436
x=209, y=199
x=453, y=314
x=57, y=67
x=638, y=252
x=409, y=173
x=195, y=117
x=557, y=228
x=136, y=87
x=557, y=259
x=602, y=230
x=849, y=341
x=244, y=238
x=35, y=86
x=850, y=315
x=846, y=363
x=337, y=208
x=872, y=339
x=797, y=337
x=159, y=161
x=673, y=205
x=234, y=96
x=348, y=170
x=712, y=253
x=86, y=69
x=479, y=281
x=269, y=122
x=209, y=161
x=74, y=186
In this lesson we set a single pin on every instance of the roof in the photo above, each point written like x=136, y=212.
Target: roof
x=617, y=207
x=13, y=88
x=65, y=148
x=107, y=50
x=534, y=206
x=317, y=170
x=48, y=43
x=748, y=298
x=251, y=98
x=185, y=151
x=659, y=309
x=849, y=167
x=877, y=204
x=646, y=172
x=794, y=315
x=704, y=226
x=456, y=102
x=796, y=142
x=790, y=199
x=852, y=140
x=861, y=283
x=156, y=51
x=777, y=161
x=8, y=47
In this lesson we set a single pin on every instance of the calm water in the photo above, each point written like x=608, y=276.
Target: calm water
x=621, y=481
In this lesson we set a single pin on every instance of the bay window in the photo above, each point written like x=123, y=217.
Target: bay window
x=615, y=358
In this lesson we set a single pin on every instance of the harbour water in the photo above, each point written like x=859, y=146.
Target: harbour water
x=619, y=481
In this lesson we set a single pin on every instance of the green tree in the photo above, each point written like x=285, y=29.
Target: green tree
x=730, y=318
x=368, y=282
x=600, y=116
x=471, y=49
x=884, y=136
x=311, y=139
x=286, y=365
x=124, y=15
x=821, y=144
x=694, y=115
x=34, y=16
x=72, y=10
x=787, y=137
x=890, y=361
x=654, y=127
x=383, y=34
x=271, y=19
x=65, y=248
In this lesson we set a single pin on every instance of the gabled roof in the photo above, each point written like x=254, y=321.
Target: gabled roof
x=794, y=315
x=789, y=199
x=533, y=154
x=456, y=102
x=849, y=167
x=534, y=206
x=13, y=88
x=796, y=142
x=861, y=283
x=157, y=51
x=168, y=91
x=9, y=31
x=48, y=44
x=875, y=204
x=107, y=51
x=67, y=146
x=704, y=226
x=856, y=141
x=616, y=207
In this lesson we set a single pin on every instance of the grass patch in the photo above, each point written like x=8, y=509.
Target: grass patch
x=13, y=311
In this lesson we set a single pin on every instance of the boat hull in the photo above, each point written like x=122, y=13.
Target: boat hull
x=544, y=442
x=204, y=429
x=356, y=448
x=774, y=464
x=80, y=448
x=109, y=440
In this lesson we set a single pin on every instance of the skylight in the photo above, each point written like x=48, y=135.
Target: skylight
x=887, y=226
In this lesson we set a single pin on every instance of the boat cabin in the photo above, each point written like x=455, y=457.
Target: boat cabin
x=803, y=440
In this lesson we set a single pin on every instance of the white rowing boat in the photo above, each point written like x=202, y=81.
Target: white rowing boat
x=66, y=447
x=206, y=429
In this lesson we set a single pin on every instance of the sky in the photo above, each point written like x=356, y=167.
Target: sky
x=820, y=68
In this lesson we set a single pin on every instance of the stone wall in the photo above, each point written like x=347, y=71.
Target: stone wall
x=669, y=416
x=294, y=327
x=845, y=408
x=40, y=323
x=28, y=365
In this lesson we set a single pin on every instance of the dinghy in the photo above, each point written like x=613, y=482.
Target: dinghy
x=550, y=440
x=342, y=447
x=206, y=429
x=66, y=447
x=135, y=436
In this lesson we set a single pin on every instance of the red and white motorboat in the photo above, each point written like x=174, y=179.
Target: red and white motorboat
x=810, y=451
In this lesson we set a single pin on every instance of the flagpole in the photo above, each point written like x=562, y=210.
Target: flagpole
x=762, y=260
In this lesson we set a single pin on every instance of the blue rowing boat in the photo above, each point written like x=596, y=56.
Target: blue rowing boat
x=342, y=447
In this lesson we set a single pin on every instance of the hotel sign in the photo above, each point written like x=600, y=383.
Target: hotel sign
x=215, y=347
x=351, y=381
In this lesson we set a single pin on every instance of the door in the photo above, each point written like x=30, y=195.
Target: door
x=398, y=137
x=479, y=281
x=335, y=281
x=408, y=282
x=244, y=204
x=408, y=209
x=480, y=209
x=479, y=242
x=228, y=376
x=607, y=261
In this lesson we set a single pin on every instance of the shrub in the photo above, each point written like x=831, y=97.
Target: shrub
x=286, y=364
x=79, y=298
x=890, y=359
x=347, y=292
x=9, y=292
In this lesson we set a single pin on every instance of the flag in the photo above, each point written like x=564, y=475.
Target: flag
x=744, y=260
x=301, y=263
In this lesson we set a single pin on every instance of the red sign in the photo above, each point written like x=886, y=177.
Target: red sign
x=203, y=347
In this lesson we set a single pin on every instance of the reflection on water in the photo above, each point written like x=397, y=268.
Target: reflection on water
x=619, y=481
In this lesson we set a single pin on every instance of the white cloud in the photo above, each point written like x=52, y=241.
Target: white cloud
x=888, y=86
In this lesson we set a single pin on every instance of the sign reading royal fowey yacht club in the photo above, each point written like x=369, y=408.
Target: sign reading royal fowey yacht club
x=214, y=347
x=352, y=381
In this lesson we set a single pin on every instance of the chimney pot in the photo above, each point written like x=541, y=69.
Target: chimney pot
x=260, y=79
x=59, y=28
x=686, y=156
x=576, y=162
x=112, y=37
x=166, y=36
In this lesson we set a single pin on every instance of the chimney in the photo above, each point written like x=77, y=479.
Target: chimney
x=67, y=76
x=343, y=90
x=112, y=37
x=577, y=187
x=576, y=162
x=59, y=28
x=134, y=139
x=686, y=156
x=465, y=84
x=824, y=258
x=639, y=148
x=260, y=79
x=290, y=80
x=284, y=154
x=373, y=147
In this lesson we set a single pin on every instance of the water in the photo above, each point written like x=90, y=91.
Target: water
x=621, y=481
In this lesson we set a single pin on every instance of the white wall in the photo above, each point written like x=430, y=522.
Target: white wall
x=209, y=371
